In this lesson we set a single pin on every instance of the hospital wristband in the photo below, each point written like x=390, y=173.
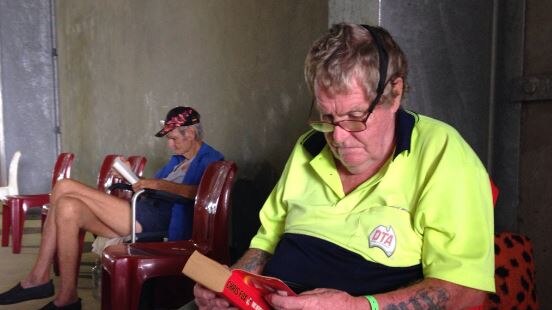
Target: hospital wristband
x=373, y=302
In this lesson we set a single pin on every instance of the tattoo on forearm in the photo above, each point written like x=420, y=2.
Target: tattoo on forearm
x=254, y=261
x=432, y=298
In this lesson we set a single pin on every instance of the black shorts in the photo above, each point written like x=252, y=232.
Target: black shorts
x=154, y=215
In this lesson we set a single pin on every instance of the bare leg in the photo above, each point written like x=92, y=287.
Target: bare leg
x=110, y=215
x=72, y=215
x=75, y=206
x=40, y=273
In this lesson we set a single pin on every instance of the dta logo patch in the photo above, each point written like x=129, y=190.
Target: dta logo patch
x=384, y=238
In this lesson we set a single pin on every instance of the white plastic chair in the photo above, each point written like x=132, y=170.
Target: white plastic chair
x=12, y=188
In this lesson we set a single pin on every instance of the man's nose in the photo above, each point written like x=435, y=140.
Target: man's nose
x=339, y=134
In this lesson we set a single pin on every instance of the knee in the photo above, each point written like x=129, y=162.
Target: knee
x=66, y=210
x=62, y=188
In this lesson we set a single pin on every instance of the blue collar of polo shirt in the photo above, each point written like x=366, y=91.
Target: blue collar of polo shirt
x=315, y=141
x=404, y=125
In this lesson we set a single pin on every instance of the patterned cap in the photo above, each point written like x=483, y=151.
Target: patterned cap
x=179, y=116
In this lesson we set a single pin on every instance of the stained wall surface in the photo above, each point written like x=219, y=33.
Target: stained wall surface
x=123, y=64
x=27, y=93
x=536, y=146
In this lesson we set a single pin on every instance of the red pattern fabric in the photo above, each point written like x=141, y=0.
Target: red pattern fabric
x=514, y=274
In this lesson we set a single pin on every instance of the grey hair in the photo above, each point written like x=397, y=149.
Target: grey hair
x=348, y=53
x=198, y=130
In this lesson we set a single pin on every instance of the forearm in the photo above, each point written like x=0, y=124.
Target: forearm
x=188, y=191
x=431, y=294
x=254, y=260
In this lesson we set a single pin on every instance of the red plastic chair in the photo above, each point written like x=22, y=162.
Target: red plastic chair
x=137, y=165
x=127, y=266
x=106, y=177
x=104, y=181
x=514, y=271
x=15, y=207
x=495, y=191
x=514, y=274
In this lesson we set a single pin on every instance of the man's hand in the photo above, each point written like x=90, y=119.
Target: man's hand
x=188, y=191
x=320, y=299
x=146, y=183
x=126, y=163
x=206, y=299
x=253, y=260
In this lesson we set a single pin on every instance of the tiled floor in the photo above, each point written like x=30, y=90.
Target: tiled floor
x=13, y=267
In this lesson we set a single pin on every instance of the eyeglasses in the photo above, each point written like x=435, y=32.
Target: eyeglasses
x=350, y=125
x=360, y=124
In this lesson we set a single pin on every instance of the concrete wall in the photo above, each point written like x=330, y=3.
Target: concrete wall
x=463, y=57
x=27, y=93
x=506, y=142
x=449, y=59
x=536, y=146
x=123, y=64
x=460, y=72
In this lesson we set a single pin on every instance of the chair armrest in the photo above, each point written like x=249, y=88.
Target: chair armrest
x=120, y=186
x=153, y=194
x=166, y=196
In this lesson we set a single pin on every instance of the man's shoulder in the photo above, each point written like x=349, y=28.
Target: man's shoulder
x=428, y=123
x=431, y=129
x=438, y=137
x=209, y=154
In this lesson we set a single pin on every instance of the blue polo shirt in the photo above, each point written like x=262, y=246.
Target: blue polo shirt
x=180, y=227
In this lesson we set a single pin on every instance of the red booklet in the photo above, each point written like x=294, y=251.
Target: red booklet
x=243, y=289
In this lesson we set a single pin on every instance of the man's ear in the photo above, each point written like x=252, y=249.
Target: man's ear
x=397, y=89
x=191, y=133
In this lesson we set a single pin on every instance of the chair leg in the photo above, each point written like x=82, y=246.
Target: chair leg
x=17, y=220
x=116, y=289
x=42, y=220
x=6, y=225
x=135, y=291
x=106, y=290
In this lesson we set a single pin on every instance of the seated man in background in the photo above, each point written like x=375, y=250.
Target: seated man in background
x=75, y=206
x=376, y=204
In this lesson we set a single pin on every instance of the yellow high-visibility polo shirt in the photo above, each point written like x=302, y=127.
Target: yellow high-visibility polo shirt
x=430, y=203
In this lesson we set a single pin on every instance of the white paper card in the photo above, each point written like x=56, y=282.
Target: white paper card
x=125, y=171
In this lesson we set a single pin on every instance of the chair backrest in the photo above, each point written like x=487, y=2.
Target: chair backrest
x=13, y=189
x=211, y=210
x=514, y=270
x=105, y=175
x=137, y=164
x=514, y=274
x=62, y=167
x=495, y=191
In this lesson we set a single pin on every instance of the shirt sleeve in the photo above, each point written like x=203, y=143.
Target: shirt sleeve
x=274, y=211
x=455, y=216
